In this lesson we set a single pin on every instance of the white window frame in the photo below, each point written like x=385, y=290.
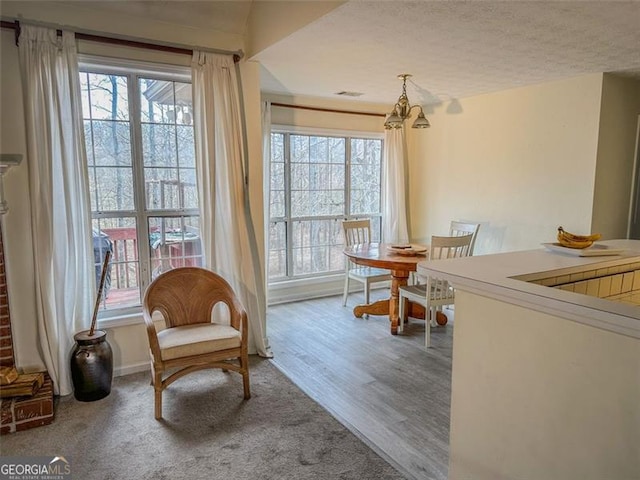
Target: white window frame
x=134, y=70
x=323, y=283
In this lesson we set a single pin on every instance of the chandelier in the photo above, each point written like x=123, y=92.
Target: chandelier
x=402, y=110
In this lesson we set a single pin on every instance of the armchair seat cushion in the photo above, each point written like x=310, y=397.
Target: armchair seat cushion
x=197, y=339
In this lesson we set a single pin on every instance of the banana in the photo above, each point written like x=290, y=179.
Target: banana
x=571, y=240
x=578, y=238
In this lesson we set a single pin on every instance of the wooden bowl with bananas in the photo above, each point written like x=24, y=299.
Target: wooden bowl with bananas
x=571, y=240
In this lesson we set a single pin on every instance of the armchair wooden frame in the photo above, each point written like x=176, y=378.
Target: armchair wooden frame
x=186, y=297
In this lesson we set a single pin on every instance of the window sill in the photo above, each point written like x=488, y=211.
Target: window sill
x=123, y=320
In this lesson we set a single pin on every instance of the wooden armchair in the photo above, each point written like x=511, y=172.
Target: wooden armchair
x=193, y=338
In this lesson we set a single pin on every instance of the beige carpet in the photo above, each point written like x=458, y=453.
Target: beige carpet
x=209, y=432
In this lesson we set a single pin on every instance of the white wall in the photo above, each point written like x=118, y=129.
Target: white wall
x=616, y=148
x=327, y=120
x=522, y=161
x=265, y=25
x=129, y=342
x=539, y=397
x=82, y=15
x=16, y=223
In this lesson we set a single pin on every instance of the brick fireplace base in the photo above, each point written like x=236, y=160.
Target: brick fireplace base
x=22, y=413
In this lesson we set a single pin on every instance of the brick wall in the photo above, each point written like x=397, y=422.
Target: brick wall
x=7, y=358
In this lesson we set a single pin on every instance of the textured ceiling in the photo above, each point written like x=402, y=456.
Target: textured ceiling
x=453, y=49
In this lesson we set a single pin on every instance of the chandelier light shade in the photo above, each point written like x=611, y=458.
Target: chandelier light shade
x=402, y=110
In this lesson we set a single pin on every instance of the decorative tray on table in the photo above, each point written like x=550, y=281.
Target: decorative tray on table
x=408, y=249
x=595, y=250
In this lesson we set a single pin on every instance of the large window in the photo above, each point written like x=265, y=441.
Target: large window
x=142, y=177
x=316, y=181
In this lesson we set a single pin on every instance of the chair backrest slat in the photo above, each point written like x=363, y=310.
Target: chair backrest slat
x=457, y=229
x=450, y=247
x=356, y=231
x=443, y=248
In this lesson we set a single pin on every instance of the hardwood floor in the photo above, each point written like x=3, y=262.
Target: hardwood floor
x=389, y=390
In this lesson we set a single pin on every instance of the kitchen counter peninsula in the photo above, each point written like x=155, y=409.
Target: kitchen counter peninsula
x=546, y=364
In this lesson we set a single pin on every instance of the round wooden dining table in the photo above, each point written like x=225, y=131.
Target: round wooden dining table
x=400, y=265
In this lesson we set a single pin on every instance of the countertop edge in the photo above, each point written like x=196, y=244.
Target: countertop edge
x=604, y=320
x=499, y=285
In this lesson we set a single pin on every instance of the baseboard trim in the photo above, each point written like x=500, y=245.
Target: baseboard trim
x=129, y=369
x=305, y=289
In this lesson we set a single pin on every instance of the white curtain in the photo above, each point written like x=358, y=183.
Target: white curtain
x=394, y=205
x=228, y=239
x=60, y=211
x=266, y=162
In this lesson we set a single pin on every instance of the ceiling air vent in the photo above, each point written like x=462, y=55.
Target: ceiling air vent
x=349, y=94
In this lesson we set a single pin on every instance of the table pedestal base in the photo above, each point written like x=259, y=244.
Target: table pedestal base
x=383, y=307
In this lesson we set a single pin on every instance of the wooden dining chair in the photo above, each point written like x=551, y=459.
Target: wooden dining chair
x=435, y=293
x=194, y=337
x=359, y=232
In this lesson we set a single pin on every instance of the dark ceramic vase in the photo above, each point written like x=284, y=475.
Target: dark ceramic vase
x=91, y=366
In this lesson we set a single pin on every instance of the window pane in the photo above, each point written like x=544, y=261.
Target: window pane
x=314, y=244
x=93, y=189
x=299, y=148
x=376, y=228
x=159, y=145
x=114, y=188
x=277, y=250
x=277, y=147
x=162, y=188
x=174, y=242
x=189, y=187
x=164, y=123
x=365, y=176
x=104, y=97
x=277, y=204
x=170, y=188
x=300, y=203
x=186, y=146
x=122, y=282
x=318, y=149
x=277, y=177
x=336, y=150
x=88, y=141
x=109, y=142
x=299, y=176
x=164, y=101
x=168, y=141
x=157, y=101
x=277, y=191
x=317, y=169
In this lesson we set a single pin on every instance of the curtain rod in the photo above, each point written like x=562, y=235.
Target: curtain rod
x=125, y=41
x=329, y=110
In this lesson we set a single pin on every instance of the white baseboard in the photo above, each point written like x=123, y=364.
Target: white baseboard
x=129, y=369
x=308, y=288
